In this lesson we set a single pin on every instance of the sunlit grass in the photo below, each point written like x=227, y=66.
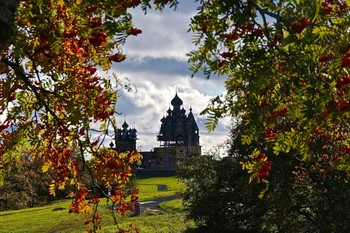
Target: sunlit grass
x=149, y=187
x=174, y=205
x=55, y=218
x=39, y=219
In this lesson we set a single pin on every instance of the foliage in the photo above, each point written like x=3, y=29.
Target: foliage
x=287, y=67
x=27, y=185
x=302, y=196
x=23, y=187
x=217, y=197
x=52, y=97
x=287, y=64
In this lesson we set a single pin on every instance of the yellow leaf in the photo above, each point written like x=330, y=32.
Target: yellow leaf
x=62, y=186
x=251, y=178
x=45, y=167
x=246, y=140
x=78, y=2
x=262, y=193
x=52, y=188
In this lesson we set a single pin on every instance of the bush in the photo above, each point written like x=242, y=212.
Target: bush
x=301, y=195
x=216, y=198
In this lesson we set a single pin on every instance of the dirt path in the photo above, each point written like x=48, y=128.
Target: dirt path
x=154, y=203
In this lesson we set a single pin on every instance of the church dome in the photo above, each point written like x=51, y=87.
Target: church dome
x=176, y=101
x=125, y=125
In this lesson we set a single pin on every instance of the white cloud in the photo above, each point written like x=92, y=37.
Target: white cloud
x=164, y=33
x=157, y=65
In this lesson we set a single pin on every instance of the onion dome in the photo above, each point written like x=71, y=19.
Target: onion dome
x=125, y=125
x=176, y=101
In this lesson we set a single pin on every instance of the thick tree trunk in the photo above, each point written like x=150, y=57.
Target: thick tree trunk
x=7, y=16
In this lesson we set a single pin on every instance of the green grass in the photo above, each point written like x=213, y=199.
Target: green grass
x=149, y=187
x=39, y=219
x=153, y=222
x=55, y=218
x=174, y=205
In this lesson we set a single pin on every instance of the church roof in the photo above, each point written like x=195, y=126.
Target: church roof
x=125, y=125
x=176, y=101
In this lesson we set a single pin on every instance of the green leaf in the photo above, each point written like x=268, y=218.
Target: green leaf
x=246, y=140
x=211, y=123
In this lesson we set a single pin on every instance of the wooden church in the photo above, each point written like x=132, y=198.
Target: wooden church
x=178, y=136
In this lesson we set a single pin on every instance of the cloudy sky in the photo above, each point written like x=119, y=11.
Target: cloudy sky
x=156, y=66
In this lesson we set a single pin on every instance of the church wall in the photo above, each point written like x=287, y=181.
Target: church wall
x=127, y=145
x=165, y=158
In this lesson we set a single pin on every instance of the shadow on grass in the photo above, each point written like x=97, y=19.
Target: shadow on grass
x=207, y=230
x=197, y=230
x=6, y=214
x=147, y=176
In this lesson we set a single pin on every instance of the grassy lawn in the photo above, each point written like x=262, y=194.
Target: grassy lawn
x=149, y=187
x=55, y=218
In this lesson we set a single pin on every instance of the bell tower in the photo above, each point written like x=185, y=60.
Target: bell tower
x=127, y=138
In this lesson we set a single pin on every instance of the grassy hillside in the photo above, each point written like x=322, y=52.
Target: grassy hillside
x=55, y=218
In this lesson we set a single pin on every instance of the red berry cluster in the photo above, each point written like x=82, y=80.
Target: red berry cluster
x=69, y=34
x=98, y=38
x=117, y=57
x=103, y=108
x=259, y=157
x=133, y=3
x=122, y=4
x=342, y=84
x=276, y=113
x=246, y=29
x=345, y=80
x=95, y=23
x=162, y=1
x=344, y=106
x=263, y=102
x=327, y=7
x=300, y=25
x=270, y=134
x=345, y=149
x=323, y=58
x=231, y=36
x=265, y=166
x=284, y=111
x=227, y=55
x=134, y=31
x=346, y=61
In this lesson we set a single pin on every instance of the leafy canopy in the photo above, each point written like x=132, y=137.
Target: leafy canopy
x=287, y=67
x=52, y=96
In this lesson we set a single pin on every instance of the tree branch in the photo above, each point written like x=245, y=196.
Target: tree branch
x=266, y=11
x=20, y=73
